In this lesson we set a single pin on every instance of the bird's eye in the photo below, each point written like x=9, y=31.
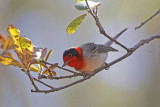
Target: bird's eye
x=69, y=55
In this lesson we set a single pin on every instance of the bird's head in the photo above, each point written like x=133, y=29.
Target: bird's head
x=73, y=57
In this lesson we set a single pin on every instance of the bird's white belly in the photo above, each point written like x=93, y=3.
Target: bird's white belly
x=94, y=62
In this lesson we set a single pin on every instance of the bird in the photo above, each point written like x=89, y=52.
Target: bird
x=87, y=57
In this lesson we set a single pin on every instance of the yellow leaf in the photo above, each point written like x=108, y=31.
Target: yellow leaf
x=10, y=61
x=13, y=31
x=14, y=34
x=33, y=68
x=22, y=46
x=79, y=0
x=40, y=66
x=72, y=27
x=49, y=54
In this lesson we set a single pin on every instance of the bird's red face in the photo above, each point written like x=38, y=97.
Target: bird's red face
x=73, y=57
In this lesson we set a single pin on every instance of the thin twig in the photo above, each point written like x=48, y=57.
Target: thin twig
x=50, y=74
x=43, y=83
x=63, y=68
x=101, y=29
x=63, y=87
x=60, y=77
x=63, y=77
x=155, y=14
x=32, y=81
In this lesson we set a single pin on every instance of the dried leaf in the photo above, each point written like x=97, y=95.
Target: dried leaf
x=6, y=43
x=53, y=73
x=10, y=61
x=49, y=54
x=72, y=27
x=6, y=53
x=43, y=53
x=2, y=39
x=52, y=67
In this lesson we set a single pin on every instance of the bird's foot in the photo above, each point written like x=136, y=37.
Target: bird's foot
x=106, y=66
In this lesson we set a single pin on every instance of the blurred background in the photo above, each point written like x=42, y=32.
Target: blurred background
x=133, y=82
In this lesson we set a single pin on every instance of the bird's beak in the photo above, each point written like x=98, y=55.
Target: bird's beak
x=65, y=64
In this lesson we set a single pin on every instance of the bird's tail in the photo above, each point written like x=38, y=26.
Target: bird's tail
x=109, y=43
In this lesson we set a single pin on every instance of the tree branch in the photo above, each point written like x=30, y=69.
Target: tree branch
x=130, y=51
x=138, y=45
x=32, y=81
x=63, y=87
x=60, y=77
x=88, y=76
x=101, y=29
x=155, y=14
x=43, y=83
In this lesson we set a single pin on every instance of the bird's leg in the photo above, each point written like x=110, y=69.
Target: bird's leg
x=84, y=74
x=106, y=64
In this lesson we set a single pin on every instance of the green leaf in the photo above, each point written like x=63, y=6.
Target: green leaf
x=25, y=43
x=72, y=27
x=79, y=0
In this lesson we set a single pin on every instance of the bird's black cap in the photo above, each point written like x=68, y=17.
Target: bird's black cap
x=71, y=51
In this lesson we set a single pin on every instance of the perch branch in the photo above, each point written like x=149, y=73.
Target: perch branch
x=88, y=76
x=57, y=78
x=63, y=87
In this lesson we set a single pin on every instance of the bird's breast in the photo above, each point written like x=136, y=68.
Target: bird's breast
x=93, y=62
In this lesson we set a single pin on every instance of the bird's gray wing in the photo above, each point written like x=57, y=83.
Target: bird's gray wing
x=96, y=48
x=89, y=47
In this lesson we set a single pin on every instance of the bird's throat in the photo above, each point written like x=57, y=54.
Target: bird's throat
x=76, y=62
